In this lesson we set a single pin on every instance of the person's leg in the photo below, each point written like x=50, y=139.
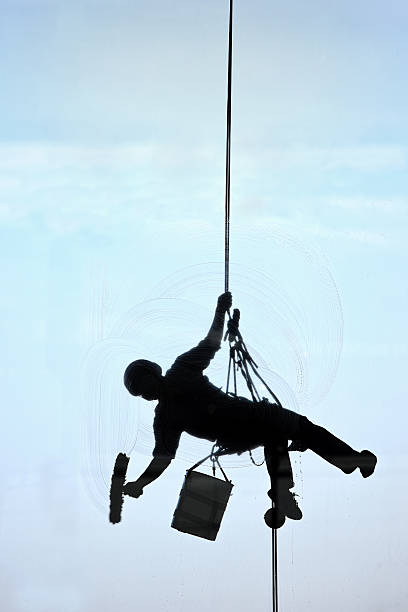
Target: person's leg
x=274, y=426
x=281, y=476
x=334, y=450
x=278, y=464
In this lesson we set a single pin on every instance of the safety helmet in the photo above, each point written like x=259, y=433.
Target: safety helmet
x=136, y=370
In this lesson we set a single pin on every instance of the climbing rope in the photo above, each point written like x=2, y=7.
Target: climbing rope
x=228, y=154
x=275, y=570
x=240, y=358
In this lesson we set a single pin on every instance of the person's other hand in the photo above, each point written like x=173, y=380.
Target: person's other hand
x=225, y=301
x=298, y=445
x=132, y=489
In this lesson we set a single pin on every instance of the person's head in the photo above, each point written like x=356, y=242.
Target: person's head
x=143, y=378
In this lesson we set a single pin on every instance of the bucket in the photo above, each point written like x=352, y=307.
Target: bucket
x=201, y=505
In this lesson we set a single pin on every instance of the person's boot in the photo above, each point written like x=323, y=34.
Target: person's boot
x=290, y=506
x=287, y=504
x=367, y=463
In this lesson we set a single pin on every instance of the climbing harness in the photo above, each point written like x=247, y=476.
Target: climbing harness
x=240, y=359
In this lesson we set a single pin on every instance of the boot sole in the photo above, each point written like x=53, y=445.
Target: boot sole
x=367, y=464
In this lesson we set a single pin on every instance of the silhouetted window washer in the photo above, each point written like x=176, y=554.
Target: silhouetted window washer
x=189, y=402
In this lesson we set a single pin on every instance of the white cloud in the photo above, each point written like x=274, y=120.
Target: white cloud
x=366, y=237
x=71, y=188
x=51, y=156
x=78, y=187
x=359, y=158
x=301, y=226
x=34, y=156
x=364, y=204
x=355, y=235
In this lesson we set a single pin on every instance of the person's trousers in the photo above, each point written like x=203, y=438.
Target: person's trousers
x=312, y=436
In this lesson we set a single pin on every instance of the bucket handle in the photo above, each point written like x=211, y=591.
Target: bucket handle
x=214, y=458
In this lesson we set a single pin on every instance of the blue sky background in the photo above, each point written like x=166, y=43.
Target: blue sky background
x=111, y=193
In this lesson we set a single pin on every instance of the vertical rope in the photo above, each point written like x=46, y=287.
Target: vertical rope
x=227, y=255
x=228, y=154
x=275, y=570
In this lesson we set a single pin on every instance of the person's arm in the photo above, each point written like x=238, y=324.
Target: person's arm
x=155, y=469
x=199, y=357
x=216, y=331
